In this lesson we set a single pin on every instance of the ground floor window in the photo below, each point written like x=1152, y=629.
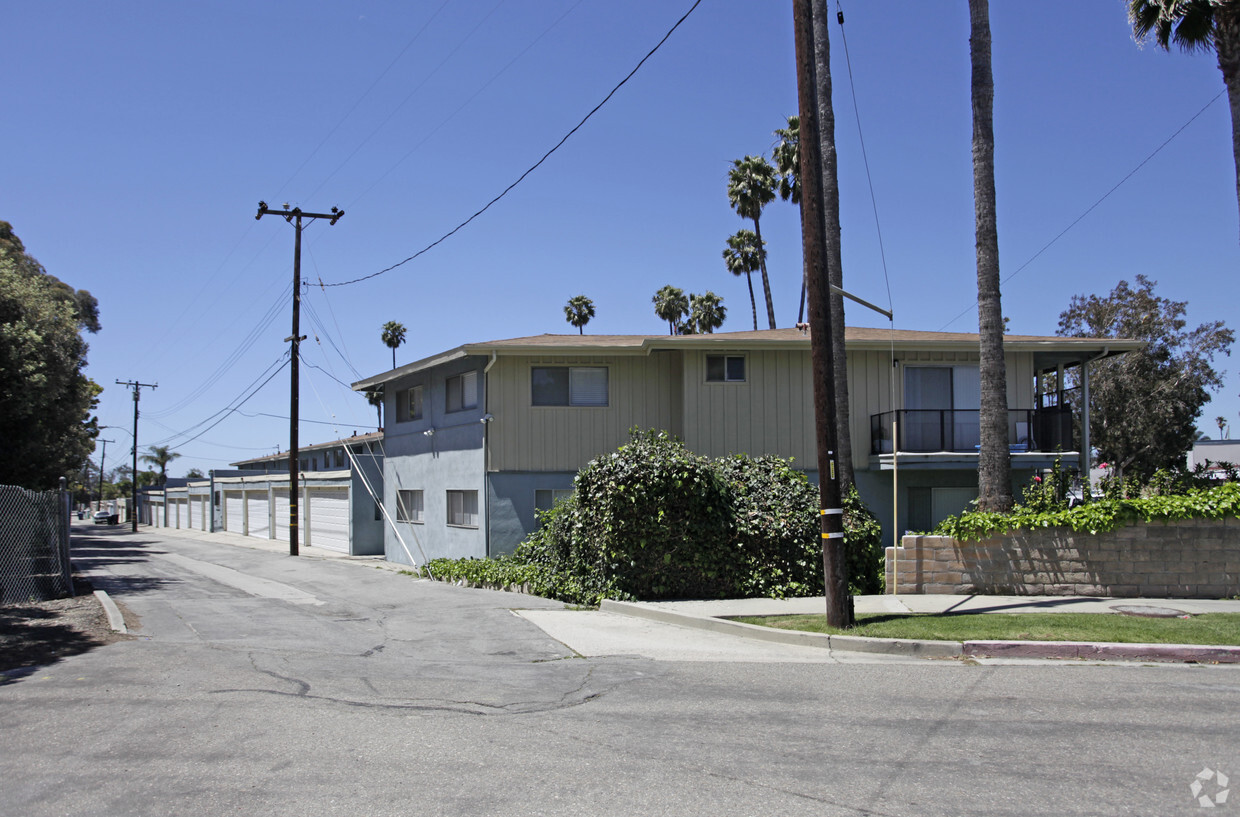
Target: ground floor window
x=463, y=509
x=409, y=506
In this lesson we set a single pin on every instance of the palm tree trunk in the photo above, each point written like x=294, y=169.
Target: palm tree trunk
x=994, y=463
x=766, y=281
x=831, y=232
x=753, y=303
x=1227, y=44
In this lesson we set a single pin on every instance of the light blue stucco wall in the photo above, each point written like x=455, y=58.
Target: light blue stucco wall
x=511, y=499
x=450, y=459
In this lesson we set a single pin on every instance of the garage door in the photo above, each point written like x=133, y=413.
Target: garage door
x=193, y=513
x=281, y=499
x=177, y=517
x=157, y=514
x=234, y=512
x=258, y=512
x=327, y=518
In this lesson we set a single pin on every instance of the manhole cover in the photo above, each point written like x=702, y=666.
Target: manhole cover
x=1148, y=612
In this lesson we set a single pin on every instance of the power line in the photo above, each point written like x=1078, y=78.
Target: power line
x=1094, y=206
x=233, y=409
x=533, y=167
x=280, y=362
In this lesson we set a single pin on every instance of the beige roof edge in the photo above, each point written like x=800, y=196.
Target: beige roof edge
x=857, y=338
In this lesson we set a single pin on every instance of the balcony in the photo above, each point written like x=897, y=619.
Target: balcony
x=957, y=430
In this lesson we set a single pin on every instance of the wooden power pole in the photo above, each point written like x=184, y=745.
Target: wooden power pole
x=133, y=504
x=813, y=241
x=294, y=217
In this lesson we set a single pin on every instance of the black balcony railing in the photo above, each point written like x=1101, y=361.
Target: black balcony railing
x=924, y=430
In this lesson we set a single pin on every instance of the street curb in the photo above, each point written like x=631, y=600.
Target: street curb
x=1081, y=650
x=1089, y=651
x=115, y=619
x=847, y=643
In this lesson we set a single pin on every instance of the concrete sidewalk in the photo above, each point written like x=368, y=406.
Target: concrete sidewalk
x=715, y=616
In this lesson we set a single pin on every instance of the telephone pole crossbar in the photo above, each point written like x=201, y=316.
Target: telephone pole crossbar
x=294, y=217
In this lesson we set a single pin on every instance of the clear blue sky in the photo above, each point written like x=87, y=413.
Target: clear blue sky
x=139, y=137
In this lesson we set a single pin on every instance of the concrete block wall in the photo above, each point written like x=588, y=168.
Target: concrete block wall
x=1187, y=559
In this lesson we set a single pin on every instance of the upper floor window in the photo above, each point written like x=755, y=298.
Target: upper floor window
x=462, y=392
x=409, y=404
x=569, y=386
x=725, y=369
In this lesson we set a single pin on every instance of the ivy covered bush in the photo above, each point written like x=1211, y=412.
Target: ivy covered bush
x=653, y=520
x=1219, y=502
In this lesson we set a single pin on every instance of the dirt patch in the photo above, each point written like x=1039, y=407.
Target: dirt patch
x=38, y=633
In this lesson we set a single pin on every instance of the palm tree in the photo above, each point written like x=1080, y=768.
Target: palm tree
x=787, y=156
x=670, y=304
x=743, y=256
x=994, y=462
x=375, y=398
x=160, y=456
x=706, y=313
x=1198, y=25
x=1222, y=424
x=752, y=182
x=578, y=312
x=393, y=336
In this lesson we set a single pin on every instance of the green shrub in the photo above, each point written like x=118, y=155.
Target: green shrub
x=653, y=520
x=1100, y=515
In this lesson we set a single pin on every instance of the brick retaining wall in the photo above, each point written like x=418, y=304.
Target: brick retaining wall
x=1189, y=559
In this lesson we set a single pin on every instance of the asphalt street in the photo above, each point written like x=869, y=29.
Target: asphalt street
x=260, y=683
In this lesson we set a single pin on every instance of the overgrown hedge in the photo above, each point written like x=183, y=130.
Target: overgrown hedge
x=653, y=520
x=1099, y=515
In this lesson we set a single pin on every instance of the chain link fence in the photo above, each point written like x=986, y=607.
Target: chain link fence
x=34, y=545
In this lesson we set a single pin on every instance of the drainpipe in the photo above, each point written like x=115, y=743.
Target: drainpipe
x=1086, y=441
x=486, y=451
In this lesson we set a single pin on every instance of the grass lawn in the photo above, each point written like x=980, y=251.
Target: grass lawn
x=1208, y=628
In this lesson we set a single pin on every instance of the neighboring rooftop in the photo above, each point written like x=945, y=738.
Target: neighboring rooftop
x=356, y=439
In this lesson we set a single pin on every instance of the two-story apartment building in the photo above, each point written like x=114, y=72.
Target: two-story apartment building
x=479, y=436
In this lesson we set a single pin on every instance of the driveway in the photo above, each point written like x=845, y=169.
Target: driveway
x=264, y=684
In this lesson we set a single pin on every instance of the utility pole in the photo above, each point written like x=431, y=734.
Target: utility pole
x=294, y=217
x=137, y=391
x=813, y=241
x=103, y=456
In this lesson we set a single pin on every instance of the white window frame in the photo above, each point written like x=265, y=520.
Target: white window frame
x=577, y=396
x=462, y=509
x=411, y=506
x=727, y=375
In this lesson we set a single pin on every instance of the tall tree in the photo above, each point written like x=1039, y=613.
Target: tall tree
x=743, y=256
x=375, y=398
x=578, y=312
x=46, y=399
x=994, y=462
x=670, y=304
x=160, y=456
x=751, y=186
x=1144, y=405
x=392, y=337
x=1198, y=25
x=706, y=313
x=787, y=156
x=1222, y=426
